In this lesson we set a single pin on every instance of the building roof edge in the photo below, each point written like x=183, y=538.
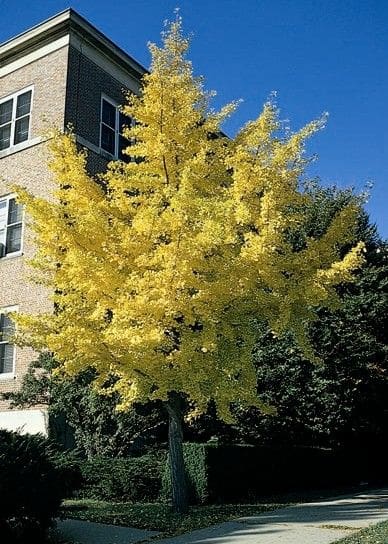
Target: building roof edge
x=66, y=22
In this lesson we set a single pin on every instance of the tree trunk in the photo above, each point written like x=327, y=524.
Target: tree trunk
x=175, y=448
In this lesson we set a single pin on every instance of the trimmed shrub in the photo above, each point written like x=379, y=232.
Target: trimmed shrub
x=245, y=473
x=68, y=466
x=134, y=479
x=30, y=487
x=240, y=473
x=195, y=457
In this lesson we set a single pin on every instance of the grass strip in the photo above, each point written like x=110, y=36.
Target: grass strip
x=159, y=517
x=377, y=534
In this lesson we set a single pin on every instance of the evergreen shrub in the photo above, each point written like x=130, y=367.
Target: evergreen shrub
x=195, y=457
x=241, y=473
x=133, y=479
x=68, y=464
x=31, y=487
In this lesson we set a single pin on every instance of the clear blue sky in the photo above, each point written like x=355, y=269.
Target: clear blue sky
x=329, y=55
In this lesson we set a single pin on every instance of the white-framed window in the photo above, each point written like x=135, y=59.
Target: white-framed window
x=7, y=349
x=11, y=226
x=15, y=118
x=111, y=125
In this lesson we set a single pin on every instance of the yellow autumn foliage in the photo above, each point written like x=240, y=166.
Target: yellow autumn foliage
x=161, y=270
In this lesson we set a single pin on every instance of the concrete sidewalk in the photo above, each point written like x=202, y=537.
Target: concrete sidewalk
x=88, y=532
x=309, y=523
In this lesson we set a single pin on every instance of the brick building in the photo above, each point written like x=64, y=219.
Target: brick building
x=63, y=71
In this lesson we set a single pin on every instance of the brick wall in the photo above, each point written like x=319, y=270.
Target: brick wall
x=85, y=85
x=67, y=89
x=28, y=167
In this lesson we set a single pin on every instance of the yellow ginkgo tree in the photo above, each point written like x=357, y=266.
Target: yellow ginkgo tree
x=161, y=269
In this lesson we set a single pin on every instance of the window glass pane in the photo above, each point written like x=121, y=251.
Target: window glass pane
x=5, y=136
x=3, y=213
x=23, y=105
x=6, y=112
x=2, y=242
x=21, y=129
x=14, y=239
x=123, y=144
x=108, y=114
x=7, y=327
x=15, y=212
x=124, y=121
x=108, y=139
x=6, y=358
x=3, y=224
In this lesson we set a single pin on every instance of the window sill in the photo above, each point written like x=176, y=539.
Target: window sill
x=11, y=256
x=7, y=376
x=20, y=147
x=97, y=150
x=107, y=155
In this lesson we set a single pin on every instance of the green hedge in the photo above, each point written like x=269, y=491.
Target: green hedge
x=243, y=473
x=225, y=474
x=133, y=479
x=195, y=456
